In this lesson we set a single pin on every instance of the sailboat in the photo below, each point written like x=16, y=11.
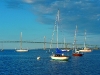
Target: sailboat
x=59, y=55
x=85, y=49
x=65, y=49
x=21, y=50
x=76, y=52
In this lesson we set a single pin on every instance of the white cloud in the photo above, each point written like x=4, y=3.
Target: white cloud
x=72, y=12
x=79, y=2
x=29, y=1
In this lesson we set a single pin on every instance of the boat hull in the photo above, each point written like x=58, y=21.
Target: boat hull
x=20, y=50
x=65, y=50
x=59, y=58
x=85, y=50
x=77, y=54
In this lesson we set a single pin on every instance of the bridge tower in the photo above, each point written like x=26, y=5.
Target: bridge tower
x=44, y=43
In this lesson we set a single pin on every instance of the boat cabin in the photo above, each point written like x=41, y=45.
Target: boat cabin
x=58, y=55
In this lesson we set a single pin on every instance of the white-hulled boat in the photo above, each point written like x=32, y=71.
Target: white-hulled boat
x=21, y=50
x=85, y=49
x=59, y=55
x=65, y=49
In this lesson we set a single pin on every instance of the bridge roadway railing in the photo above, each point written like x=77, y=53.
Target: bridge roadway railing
x=79, y=45
x=30, y=42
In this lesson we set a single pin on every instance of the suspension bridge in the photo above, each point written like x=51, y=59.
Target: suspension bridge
x=44, y=43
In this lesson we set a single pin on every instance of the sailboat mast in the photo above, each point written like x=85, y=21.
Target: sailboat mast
x=75, y=38
x=21, y=40
x=44, y=42
x=64, y=42
x=85, y=40
x=57, y=26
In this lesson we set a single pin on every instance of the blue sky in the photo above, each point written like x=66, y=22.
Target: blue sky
x=36, y=18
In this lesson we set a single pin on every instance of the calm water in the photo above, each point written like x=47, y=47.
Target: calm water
x=14, y=63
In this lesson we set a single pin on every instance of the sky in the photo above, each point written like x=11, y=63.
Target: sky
x=36, y=19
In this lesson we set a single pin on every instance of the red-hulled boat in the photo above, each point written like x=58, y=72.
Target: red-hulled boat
x=77, y=53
